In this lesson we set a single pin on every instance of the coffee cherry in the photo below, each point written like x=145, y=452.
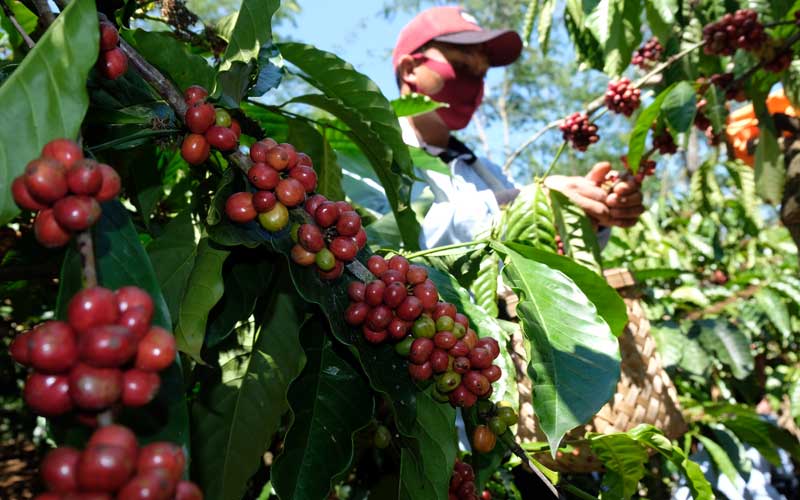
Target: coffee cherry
x=48, y=231
x=410, y=309
x=424, y=327
x=326, y=214
x=344, y=206
x=239, y=207
x=313, y=202
x=47, y=395
x=448, y=382
x=52, y=347
x=195, y=149
x=741, y=29
x=460, y=349
x=187, y=490
x=113, y=63
x=444, y=309
x=480, y=358
x=360, y=238
x=290, y=192
x=420, y=372
x=291, y=152
x=344, y=248
x=130, y=297
x=109, y=36
x=356, y=290
x=647, y=54
x=156, y=350
x=264, y=201
x=59, y=469
x=277, y=157
x=462, y=397
x=476, y=383
x=275, y=219
x=461, y=364
x=398, y=329
x=221, y=138
x=22, y=197
x=151, y=485
x=137, y=320
x=416, y=275
x=427, y=295
x=194, y=94
x=94, y=388
x=440, y=361
x=325, y=260
x=394, y=295
x=490, y=344
x=111, y=185
x=237, y=129
x=400, y=264
x=20, y=348
x=310, y=237
x=77, y=213
x=115, y=435
x=356, y=313
x=64, y=151
x=373, y=293
x=445, y=323
x=90, y=307
x=382, y=437
x=258, y=151
x=579, y=131
x=460, y=332
x=621, y=97
x=222, y=118
x=93, y=495
x=483, y=439
x=104, y=468
x=492, y=374
x=199, y=118
x=302, y=256
x=445, y=340
x=403, y=348
x=46, y=180
x=374, y=336
x=377, y=265
x=379, y=317
x=305, y=176
x=162, y=455
x=391, y=276
x=421, y=350
x=262, y=176
x=348, y=223
x=304, y=159
x=84, y=178
x=107, y=346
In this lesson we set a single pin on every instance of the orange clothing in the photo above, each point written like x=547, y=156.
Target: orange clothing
x=742, y=125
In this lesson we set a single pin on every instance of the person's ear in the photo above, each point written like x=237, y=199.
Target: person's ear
x=405, y=70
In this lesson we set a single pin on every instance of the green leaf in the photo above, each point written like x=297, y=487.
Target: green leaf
x=308, y=139
x=679, y=108
x=688, y=293
x=531, y=11
x=426, y=161
x=173, y=58
x=704, y=189
x=330, y=401
x=548, y=8
x=426, y=464
x=236, y=417
x=775, y=308
x=722, y=461
x=45, y=98
x=661, y=17
x=624, y=459
x=769, y=168
x=270, y=70
x=616, y=25
x=574, y=358
x=645, y=120
x=484, y=288
x=173, y=254
x=589, y=51
x=203, y=290
x=794, y=397
x=730, y=345
x=576, y=232
x=744, y=177
x=670, y=341
x=414, y=104
x=752, y=429
x=24, y=17
x=253, y=29
x=530, y=219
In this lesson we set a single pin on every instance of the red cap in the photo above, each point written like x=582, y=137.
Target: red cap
x=453, y=25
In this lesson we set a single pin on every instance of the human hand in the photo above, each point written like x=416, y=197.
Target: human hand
x=586, y=192
x=624, y=201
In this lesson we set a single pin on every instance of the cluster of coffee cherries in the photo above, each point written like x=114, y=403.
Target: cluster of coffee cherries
x=740, y=30
x=622, y=97
x=498, y=417
x=281, y=177
x=579, y=131
x=106, y=352
x=113, y=62
x=208, y=127
x=66, y=189
x=648, y=54
x=332, y=238
x=776, y=59
x=663, y=141
x=647, y=167
x=462, y=483
x=733, y=88
x=113, y=465
x=703, y=123
x=403, y=306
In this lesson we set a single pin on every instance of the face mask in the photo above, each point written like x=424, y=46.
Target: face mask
x=463, y=93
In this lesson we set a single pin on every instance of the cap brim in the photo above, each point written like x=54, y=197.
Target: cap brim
x=502, y=46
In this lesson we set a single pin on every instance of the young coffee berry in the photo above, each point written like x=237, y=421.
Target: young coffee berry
x=448, y=382
x=48, y=231
x=195, y=149
x=264, y=201
x=109, y=36
x=277, y=157
x=22, y=197
x=194, y=94
x=302, y=257
x=275, y=219
x=107, y=346
x=420, y=372
x=356, y=313
x=52, y=347
x=153, y=484
x=90, y=307
x=377, y=265
x=20, y=348
x=77, y=212
x=305, y=176
x=115, y=435
x=344, y=248
x=59, y=469
x=111, y=185
x=199, y=118
x=221, y=138
x=187, y=490
x=349, y=223
x=94, y=388
x=105, y=468
x=156, y=350
x=325, y=259
x=374, y=336
x=64, y=151
x=262, y=176
x=394, y=295
x=335, y=273
x=382, y=437
x=222, y=118
x=239, y=207
x=46, y=180
x=327, y=214
x=403, y=348
x=139, y=387
x=312, y=203
x=356, y=291
x=113, y=63
x=424, y=327
x=497, y=425
x=290, y=192
x=47, y=395
x=84, y=178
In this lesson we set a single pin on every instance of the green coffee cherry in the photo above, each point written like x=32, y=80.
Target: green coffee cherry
x=445, y=324
x=223, y=118
x=448, y=381
x=424, y=327
x=458, y=330
x=497, y=425
x=382, y=437
x=325, y=260
x=508, y=415
x=404, y=346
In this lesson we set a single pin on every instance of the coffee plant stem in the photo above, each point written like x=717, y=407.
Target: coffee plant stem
x=45, y=14
x=508, y=439
x=428, y=251
x=160, y=83
x=555, y=159
x=10, y=15
x=86, y=249
x=578, y=492
x=105, y=418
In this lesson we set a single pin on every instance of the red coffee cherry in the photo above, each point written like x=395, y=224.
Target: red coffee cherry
x=109, y=36
x=52, y=347
x=439, y=360
x=162, y=455
x=462, y=397
x=647, y=54
x=46, y=180
x=420, y=372
x=491, y=345
x=59, y=469
x=304, y=159
x=262, y=176
x=579, y=131
x=394, y=295
x=410, y=309
x=377, y=265
x=392, y=275
x=313, y=202
x=291, y=152
x=77, y=212
x=480, y=358
x=187, y=490
x=334, y=273
x=445, y=340
x=421, y=350
x=154, y=484
x=379, y=317
x=427, y=295
x=303, y=257
x=476, y=383
x=194, y=94
x=239, y=207
x=107, y=346
x=110, y=187
x=361, y=238
x=84, y=178
x=372, y=336
x=462, y=320
x=400, y=264
x=115, y=435
x=416, y=275
x=139, y=387
x=310, y=237
x=195, y=149
x=47, y=395
x=344, y=206
x=460, y=349
x=290, y=192
x=277, y=157
x=94, y=388
x=221, y=138
x=622, y=97
x=373, y=294
x=90, y=307
x=344, y=248
x=461, y=364
x=48, y=231
x=23, y=197
x=492, y=374
x=113, y=63
x=105, y=468
x=398, y=329
x=199, y=118
x=20, y=348
x=444, y=309
x=483, y=439
x=258, y=151
x=326, y=214
x=264, y=201
x=64, y=151
x=306, y=176
x=130, y=297
x=237, y=129
x=348, y=224
x=356, y=291
x=156, y=350
x=356, y=313
x=136, y=320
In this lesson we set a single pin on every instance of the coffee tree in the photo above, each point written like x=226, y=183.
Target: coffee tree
x=232, y=317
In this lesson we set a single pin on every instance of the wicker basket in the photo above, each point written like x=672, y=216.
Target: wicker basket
x=645, y=393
